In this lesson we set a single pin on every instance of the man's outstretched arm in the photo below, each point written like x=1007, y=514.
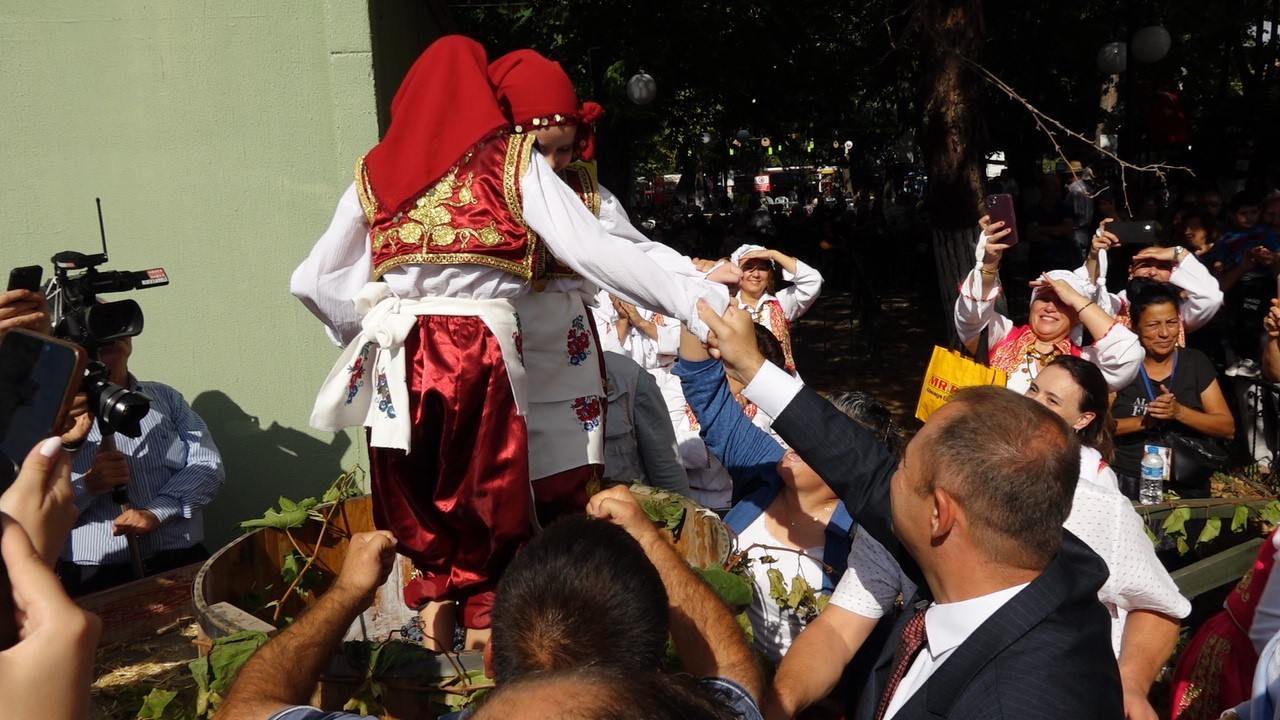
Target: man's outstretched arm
x=707, y=637
x=284, y=671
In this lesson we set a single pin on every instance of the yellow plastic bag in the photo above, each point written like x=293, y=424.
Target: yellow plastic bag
x=948, y=372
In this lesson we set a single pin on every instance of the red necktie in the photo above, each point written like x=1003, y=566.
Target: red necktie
x=912, y=640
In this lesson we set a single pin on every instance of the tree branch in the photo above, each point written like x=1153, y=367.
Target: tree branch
x=1044, y=121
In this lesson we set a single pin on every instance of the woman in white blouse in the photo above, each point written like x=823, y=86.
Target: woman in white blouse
x=756, y=294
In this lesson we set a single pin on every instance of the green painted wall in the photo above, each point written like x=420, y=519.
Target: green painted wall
x=219, y=135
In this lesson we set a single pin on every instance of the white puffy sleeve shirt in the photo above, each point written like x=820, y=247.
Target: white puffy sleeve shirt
x=341, y=262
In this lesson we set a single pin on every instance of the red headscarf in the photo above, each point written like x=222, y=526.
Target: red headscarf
x=444, y=107
x=535, y=92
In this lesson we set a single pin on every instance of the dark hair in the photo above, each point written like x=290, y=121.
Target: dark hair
x=1208, y=222
x=1145, y=292
x=582, y=593
x=1094, y=398
x=611, y=694
x=1243, y=199
x=770, y=346
x=1012, y=465
x=871, y=414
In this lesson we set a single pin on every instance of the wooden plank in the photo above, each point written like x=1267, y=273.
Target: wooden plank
x=1201, y=508
x=230, y=615
x=1217, y=570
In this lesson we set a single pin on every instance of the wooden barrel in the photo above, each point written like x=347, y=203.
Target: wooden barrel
x=232, y=589
x=234, y=585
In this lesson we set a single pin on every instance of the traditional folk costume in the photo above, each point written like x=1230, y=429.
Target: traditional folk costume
x=1013, y=349
x=448, y=215
x=709, y=482
x=777, y=312
x=566, y=428
x=1203, y=294
x=1216, y=669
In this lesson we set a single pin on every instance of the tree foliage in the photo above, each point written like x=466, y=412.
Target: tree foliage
x=830, y=72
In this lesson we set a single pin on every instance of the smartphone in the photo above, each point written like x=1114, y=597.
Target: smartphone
x=1000, y=208
x=26, y=278
x=1134, y=232
x=39, y=377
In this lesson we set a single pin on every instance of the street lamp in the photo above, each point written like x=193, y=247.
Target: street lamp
x=641, y=88
x=1151, y=44
x=1113, y=58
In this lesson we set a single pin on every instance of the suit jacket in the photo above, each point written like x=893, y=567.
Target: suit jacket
x=1045, y=654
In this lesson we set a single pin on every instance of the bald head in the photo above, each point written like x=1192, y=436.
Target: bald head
x=1012, y=464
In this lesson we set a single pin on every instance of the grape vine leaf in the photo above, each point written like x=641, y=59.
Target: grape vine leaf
x=731, y=588
x=1240, y=518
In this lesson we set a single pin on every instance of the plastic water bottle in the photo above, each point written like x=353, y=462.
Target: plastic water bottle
x=1151, y=487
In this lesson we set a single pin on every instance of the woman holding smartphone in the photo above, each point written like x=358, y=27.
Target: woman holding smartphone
x=1060, y=308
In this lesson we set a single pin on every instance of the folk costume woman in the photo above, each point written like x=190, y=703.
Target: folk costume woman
x=1060, y=306
x=448, y=214
x=756, y=293
x=564, y=420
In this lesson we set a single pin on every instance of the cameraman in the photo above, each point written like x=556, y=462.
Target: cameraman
x=172, y=470
x=24, y=309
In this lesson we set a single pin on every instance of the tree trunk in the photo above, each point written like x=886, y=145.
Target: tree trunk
x=952, y=30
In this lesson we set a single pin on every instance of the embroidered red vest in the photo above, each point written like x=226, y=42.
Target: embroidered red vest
x=471, y=215
x=781, y=330
x=1011, y=353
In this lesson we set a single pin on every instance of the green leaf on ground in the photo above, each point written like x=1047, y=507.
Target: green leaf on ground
x=156, y=704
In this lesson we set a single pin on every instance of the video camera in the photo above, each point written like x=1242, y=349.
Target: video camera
x=80, y=317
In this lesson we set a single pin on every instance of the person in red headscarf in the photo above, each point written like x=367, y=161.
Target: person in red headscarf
x=566, y=441
x=450, y=215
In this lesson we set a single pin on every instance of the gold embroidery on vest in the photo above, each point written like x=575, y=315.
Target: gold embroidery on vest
x=590, y=192
x=368, y=202
x=515, y=164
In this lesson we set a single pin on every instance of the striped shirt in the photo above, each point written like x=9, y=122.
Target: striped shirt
x=174, y=471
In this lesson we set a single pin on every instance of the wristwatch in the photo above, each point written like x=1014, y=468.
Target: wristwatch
x=1178, y=252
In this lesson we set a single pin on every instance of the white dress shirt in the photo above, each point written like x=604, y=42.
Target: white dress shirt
x=946, y=626
x=1106, y=521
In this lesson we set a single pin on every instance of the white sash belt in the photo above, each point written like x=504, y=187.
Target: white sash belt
x=368, y=384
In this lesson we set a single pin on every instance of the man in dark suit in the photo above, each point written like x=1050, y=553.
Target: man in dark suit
x=1007, y=623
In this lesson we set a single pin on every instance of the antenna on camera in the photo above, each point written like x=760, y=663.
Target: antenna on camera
x=102, y=229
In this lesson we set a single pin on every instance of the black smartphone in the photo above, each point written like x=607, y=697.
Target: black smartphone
x=1134, y=232
x=26, y=277
x=39, y=377
x=1000, y=208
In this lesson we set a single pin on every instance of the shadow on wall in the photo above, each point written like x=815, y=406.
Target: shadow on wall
x=262, y=464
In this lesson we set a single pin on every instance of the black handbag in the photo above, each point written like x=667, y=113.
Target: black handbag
x=1195, y=460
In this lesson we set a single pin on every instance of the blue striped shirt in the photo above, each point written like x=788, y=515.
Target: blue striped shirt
x=174, y=471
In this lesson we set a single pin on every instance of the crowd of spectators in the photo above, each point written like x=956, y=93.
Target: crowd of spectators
x=999, y=538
